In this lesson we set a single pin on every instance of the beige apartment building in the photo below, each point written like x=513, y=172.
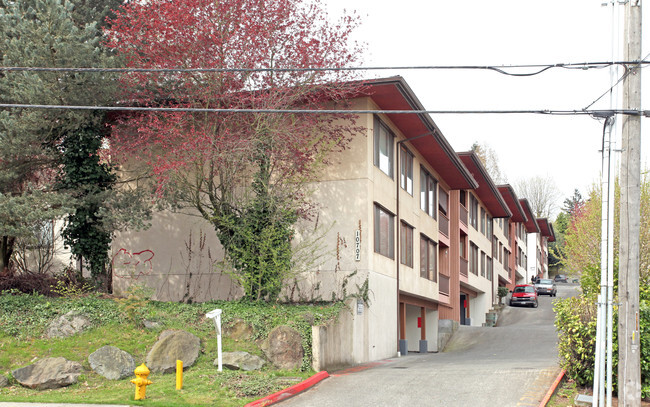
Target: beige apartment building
x=411, y=234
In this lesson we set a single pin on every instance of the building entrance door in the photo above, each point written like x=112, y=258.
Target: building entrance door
x=463, y=309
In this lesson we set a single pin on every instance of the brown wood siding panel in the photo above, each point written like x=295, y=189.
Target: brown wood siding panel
x=453, y=311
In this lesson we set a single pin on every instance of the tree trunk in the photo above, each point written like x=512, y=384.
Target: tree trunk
x=6, y=250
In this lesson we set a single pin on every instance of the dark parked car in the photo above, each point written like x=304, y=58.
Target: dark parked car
x=561, y=278
x=546, y=286
x=524, y=294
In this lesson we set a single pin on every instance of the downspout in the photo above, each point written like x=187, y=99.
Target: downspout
x=398, y=178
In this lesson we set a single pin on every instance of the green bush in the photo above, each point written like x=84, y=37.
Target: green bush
x=644, y=325
x=576, y=325
x=575, y=321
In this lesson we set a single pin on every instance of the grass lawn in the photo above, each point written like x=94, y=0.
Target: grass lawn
x=23, y=319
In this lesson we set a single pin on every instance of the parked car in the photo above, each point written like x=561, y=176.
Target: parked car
x=524, y=294
x=561, y=278
x=546, y=286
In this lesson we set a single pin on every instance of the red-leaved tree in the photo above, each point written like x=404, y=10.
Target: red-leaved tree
x=246, y=173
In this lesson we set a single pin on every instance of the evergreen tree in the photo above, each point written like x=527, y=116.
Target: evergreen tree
x=574, y=203
x=37, y=144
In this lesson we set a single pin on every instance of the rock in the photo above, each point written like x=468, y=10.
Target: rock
x=238, y=329
x=172, y=346
x=112, y=363
x=240, y=360
x=48, y=373
x=4, y=382
x=152, y=324
x=309, y=318
x=67, y=325
x=283, y=347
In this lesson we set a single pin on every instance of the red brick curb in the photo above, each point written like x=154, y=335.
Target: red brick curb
x=289, y=391
x=552, y=389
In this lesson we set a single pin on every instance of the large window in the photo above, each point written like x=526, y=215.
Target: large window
x=473, y=211
x=428, y=187
x=443, y=198
x=483, y=263
x=384, y=232
x=428, y=258
x=406, y=244
x=383, y=148
x=490, y=268
x=406, y=169
x=483, y=219
x=473, y=258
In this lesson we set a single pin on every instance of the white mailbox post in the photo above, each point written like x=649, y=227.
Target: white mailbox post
x=216, y=316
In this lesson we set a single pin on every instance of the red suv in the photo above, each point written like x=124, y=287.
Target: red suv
x=524, y=294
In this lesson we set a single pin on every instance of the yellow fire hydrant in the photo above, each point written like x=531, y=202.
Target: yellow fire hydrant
x=141, y=381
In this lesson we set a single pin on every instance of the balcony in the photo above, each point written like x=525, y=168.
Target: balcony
x=443, y=286
x=463, y=215
x=443, y=224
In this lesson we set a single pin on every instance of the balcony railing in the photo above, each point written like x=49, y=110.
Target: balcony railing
x=463, y=215
x=443, y=286
x=443, y=224
x=464, y=266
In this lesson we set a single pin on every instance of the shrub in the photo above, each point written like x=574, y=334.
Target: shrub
x=576, y=324
x=575, y=321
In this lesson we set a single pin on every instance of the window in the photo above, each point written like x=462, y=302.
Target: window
x=473, y=212
x=489, y=268
x=489, y=227
x=463, y=246
x=483, y=219
x=384, y=232
x=483, y=264
x=443, y=198
x=383, y=148
x=473, y=258
x=406, y=170
x=428, y=258
x=428, y=186
x=406, y=244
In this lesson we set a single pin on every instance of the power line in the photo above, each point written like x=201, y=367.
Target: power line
x=502, y=69
x=582, y=112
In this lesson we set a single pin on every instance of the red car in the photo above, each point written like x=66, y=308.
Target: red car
x=524, y=294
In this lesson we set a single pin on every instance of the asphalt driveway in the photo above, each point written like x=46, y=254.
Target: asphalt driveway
x=513, y=364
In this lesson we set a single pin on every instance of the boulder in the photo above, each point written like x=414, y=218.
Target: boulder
x=48, y=373
x=283, y=347
x=67, y=325
x=152, y=324
x=112, y=363
x=240, y=360
x=172, y=346
x=238, y=329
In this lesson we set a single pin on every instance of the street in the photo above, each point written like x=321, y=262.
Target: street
x=512, y=364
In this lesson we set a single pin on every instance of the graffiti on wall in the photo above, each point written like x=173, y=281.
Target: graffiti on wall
x=132, y=265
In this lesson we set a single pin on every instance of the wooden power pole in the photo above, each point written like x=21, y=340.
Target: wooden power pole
x=629, y=349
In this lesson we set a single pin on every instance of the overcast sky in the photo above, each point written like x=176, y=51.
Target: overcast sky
x=479, y=32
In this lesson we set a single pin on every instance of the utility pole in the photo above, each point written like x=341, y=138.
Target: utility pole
x=629, y=368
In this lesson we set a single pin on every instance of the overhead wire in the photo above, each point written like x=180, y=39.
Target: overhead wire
x=502, y=69
x=558, y=112
x=627, y=72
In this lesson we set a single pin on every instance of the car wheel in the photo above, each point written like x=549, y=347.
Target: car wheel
x=510, y=303
x=536, y=304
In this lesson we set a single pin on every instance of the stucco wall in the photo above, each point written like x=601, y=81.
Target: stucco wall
x=177, y=258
